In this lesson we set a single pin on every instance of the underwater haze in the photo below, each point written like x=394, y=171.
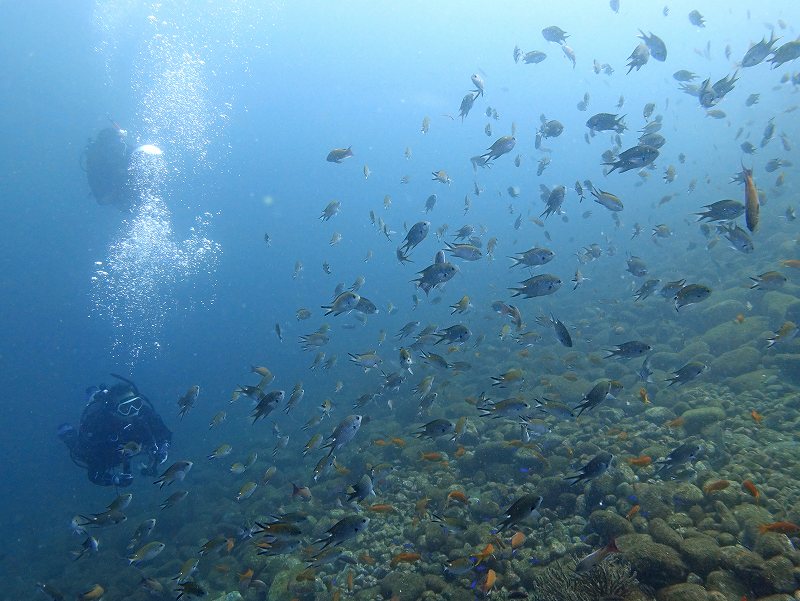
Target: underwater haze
x=440, y=300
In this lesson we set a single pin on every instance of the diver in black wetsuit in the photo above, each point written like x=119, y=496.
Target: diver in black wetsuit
x=117, y=424
x=106, y=161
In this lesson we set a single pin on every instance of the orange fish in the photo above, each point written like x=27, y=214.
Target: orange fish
x=460, y=451
x=675, y=423
x=457, y=497
x=751, y=488
x=488, y=583
x=633, y=511
x=246, y=577
x=398, y=442
x=404, y=558
x=640, y=461
x=644, y=396
x=229, y=542
x=782, y=527
x=488, y=551
x=432, y=456
x=367, y=559
x=739, y=318
x=517, y=540
x=382, y=508
x=710, y=487
x=379, y=442
x=350, y=580
x=757, y=417
x=794, y=263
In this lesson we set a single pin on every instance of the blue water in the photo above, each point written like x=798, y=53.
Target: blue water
x=266, y=91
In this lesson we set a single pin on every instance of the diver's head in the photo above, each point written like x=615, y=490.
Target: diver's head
x=130, y=406
x=125, y=401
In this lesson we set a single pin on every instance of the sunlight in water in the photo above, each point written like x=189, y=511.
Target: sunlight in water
x=134, y=288
x=147, y=267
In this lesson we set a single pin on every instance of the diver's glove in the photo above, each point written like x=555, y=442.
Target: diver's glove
x=122, y=479
x=162, y=451
x=68, y=435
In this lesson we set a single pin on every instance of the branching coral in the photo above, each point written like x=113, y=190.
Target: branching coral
x=611, y=580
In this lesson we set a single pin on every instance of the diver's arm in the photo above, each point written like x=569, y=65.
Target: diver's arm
x=160, y=431
x=161, y=435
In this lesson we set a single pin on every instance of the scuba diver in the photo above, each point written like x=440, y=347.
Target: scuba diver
x=108, y=163
x=106, y=160
x=117, y=424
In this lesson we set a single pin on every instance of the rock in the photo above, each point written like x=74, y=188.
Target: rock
x=730, y=334
x=789, y=366
x=659, y=415
x=735, y=362
x=234, y=596
x=701, y=554
x=283, y=586
x=749, y=568
x=366, y=594
x=780, y=574
x=686, y=494
x=663, y=533
x=656, y=565
x=770, y=544
x=682, y=592
x=721, y=312
x=550, y=488
x=435, y=583
x=726, y=539
x=750, y=381
x=793, y=312
x=727, y=521
x=609, y=525
x=778, y=304
x=405, y=586
x=566, y=504
x=653, y=499
x=724, y=582
x=491, y=457
x=750, y=517
x=695, y=420
x=692, y=351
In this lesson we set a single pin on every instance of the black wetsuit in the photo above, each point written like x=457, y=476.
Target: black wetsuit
x=104, y=431
x=106, y=161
